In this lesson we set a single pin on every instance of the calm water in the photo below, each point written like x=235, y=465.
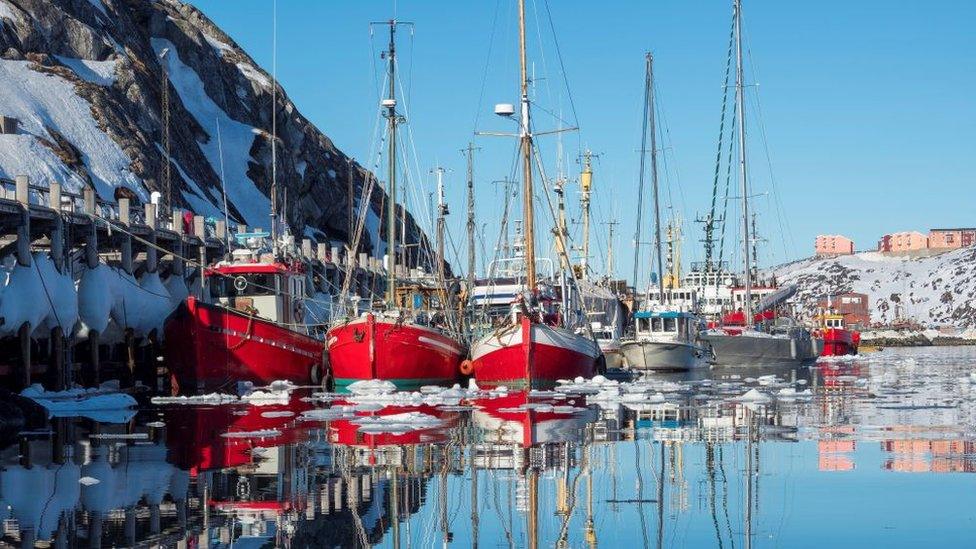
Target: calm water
x=880, y=452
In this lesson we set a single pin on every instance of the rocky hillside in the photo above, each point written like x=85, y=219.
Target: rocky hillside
x=939, y=290
x=85, y=80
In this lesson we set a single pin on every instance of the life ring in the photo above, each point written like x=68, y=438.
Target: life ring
x=240, y=283
x=466, y=367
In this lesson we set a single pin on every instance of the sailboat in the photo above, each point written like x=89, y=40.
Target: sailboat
x=409, y=341
x=665, y=333
x=784, y=342
x=533, y=345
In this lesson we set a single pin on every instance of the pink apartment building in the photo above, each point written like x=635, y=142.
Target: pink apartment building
x=951, y=239
x=906, y=241
x=828, y=245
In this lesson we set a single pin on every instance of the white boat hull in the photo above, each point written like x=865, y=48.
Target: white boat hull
x=662, y=355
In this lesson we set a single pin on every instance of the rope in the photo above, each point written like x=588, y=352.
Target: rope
x=248, y=332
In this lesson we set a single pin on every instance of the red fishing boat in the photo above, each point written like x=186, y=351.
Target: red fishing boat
x=392, y=348
x=532, y=354
x=252, y=330
x=837, y=339
x=535, y=343
x=411, y=341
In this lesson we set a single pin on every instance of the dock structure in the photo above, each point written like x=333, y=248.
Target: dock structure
x=80, y=232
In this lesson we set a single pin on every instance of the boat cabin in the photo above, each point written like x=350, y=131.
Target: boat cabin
x=666, y=326
x=425, y=303
x=833, y=321
x=272, y=291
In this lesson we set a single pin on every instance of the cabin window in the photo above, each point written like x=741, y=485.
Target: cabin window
x=670, y=324
x=243, y=285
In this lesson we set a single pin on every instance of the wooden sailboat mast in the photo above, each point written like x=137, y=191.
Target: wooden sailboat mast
x=586, y=186
x=525, y=136
x=442, y=211
x=744, y=184
x=391, y=119
x=654, y=183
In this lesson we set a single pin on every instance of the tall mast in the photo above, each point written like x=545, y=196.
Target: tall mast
x=609, y=264
x=586, y=184
x=525, y=135
x=744, y=188
x=442, y=211
x=657, y=206
x=471, y=227
x=274, y=127
x=391, y=120
x=640, y=176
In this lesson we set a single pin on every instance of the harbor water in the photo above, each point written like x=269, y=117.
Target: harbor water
x=879, y=450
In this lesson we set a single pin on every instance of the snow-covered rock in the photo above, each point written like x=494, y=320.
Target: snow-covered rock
x=82, y=78
x=931, y=290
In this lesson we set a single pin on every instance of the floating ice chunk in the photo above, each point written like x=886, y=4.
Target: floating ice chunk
x=88, y=481
x=79, y=401
x=327, y=414
x=266, y=398
x=767, y=379
x=372, y=387
x=261, y=433
x=789, y=393
x=753, y=395
x=473, y=385
x=279, y=413
x=397, y=423
x=282, y=385
x=212, y=398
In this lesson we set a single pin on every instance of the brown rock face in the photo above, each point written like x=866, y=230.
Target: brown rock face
x=315, y=174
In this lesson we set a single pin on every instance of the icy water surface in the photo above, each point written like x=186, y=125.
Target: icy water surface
x=873, y=452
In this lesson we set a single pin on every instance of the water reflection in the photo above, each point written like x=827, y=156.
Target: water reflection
x=733, y=458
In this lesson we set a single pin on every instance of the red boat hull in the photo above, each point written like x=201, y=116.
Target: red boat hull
x=408, y=355
x=532, y=355
x=839, y=342
x=212, y=348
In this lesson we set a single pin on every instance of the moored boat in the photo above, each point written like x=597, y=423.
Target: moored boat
x=664, y=340
x=532, y=354
x=409, y=338
x=530, y=340
x=838, y=340
x=252, y=331
x=392, y=348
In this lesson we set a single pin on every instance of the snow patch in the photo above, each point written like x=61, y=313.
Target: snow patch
x=42, y=100
x=236, y=137
x=101, y=73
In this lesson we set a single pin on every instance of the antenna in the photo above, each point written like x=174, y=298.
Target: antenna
x=168, y=204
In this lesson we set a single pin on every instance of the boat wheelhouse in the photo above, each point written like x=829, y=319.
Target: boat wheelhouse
x=248, y=327
x=664, y=340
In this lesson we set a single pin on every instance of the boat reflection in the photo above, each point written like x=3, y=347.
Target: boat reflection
x=697, y=462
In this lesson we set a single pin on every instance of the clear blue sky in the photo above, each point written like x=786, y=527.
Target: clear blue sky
x=869, y=106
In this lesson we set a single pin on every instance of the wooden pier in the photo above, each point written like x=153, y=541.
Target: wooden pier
x=81, y=231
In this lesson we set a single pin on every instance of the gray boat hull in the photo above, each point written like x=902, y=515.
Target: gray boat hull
x=662, y=356
x=745, y=350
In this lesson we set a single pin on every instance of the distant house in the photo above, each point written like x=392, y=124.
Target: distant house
x=831, y=245
x=951, y=239
x=852, y=305
x=905, y=241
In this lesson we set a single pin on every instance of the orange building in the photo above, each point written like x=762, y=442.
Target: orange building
x=829, y=245
x=951, y=239
x=905, y=241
